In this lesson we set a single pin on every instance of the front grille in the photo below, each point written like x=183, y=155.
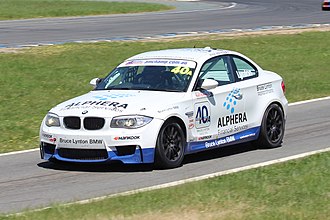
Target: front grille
x=90, y=123
x=72, y=122
x=83, y=154
x=93, y=123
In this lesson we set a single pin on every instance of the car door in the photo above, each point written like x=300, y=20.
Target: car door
x=217, y=111
x=246, y=75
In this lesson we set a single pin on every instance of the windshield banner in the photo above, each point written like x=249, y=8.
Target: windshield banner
x=159, y=62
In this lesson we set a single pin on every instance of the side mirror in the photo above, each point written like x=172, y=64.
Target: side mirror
x=95, y=81
x=209, y=84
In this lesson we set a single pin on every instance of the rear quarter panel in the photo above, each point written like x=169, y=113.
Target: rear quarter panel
x=259, y=93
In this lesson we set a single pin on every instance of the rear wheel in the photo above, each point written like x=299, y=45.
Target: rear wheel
x=170, y=145
x=272, y=128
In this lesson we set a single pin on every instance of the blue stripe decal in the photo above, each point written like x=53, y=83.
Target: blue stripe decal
x=244, y=136
x=148, y=155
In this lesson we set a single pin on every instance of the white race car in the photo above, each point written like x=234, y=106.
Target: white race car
x=158, y=106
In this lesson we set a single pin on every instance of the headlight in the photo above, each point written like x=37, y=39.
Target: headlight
x=134, y=121
x=52, y=120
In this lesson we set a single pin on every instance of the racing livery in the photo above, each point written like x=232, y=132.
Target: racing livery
x=158, y=106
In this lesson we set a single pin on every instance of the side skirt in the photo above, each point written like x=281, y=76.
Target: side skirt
x=244, y=136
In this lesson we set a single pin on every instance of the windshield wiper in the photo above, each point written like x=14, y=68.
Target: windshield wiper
x=161, y=90
x=117, y=88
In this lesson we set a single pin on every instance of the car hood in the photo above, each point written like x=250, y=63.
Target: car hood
x=112, y=103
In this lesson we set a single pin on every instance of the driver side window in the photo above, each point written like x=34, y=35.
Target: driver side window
x=218, y=69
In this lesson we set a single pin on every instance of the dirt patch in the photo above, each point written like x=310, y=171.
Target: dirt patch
x=215, y=36
x=10, y=50
x=279, y=31
x=236, y=211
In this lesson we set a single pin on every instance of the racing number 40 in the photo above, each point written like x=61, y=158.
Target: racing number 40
x=182, y=70
x=202, y=116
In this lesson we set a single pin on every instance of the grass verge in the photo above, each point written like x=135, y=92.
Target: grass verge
x=296, y=189
x=21, y=9
x=36, y=79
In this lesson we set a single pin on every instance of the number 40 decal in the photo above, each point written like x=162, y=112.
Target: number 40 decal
x=203, y=116
x=182, y=70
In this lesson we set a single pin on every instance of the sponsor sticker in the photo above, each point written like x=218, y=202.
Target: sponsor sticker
x=232, y=100
x=45, y=135
x=133, y=63
x=232, y=129
x=80, y=141
x=126, y=138
x=245, y=73
x=265, y=89
x=159, y=62
x=104, y=105
x=220, y=141
x=202, y=94
x=203, y=131
x=219, y=52
x=230, y=104
x=97, y=103
x=204, y=137
x=232, y=119
x=112, y=96
x=50, y=137
x=77, y=143
x=168, y=109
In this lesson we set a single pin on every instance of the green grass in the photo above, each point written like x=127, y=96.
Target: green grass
x=34, y=80
x=20, y=9
x=297, y=189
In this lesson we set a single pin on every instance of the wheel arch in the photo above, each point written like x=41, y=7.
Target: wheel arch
x=279, y=104
x=261, y=111
x=177, y=149
x=180, y=122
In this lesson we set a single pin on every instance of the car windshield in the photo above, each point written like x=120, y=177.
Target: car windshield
x=157, y=75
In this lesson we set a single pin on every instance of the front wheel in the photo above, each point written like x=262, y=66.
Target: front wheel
x=272, y=128
x=170, y=145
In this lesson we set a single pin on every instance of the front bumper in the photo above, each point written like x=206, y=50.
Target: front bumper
x=130, y=146
x=134, y=154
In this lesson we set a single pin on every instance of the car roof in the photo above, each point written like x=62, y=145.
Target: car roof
x=194, y=54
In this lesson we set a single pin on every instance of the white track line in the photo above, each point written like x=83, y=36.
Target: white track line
x=232, y=5
x=207, y=176
x=309, y=101
x=290, y=104
x=18, y=152
x=189, y=180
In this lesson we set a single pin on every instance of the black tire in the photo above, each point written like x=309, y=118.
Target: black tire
x=170, y=146
x=272, y=128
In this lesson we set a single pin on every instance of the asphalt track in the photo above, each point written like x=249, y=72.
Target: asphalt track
x=212, y=15
x=28, y=182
